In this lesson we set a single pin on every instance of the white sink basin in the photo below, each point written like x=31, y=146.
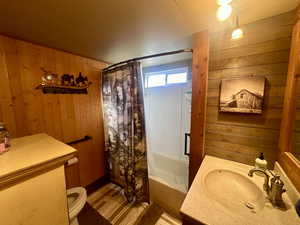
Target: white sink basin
x=222, y=193
x=234, y=191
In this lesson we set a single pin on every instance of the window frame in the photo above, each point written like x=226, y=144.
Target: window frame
x=157, y=74
x=167, y=73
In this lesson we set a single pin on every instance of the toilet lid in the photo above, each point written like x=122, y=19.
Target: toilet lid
x=76, y=200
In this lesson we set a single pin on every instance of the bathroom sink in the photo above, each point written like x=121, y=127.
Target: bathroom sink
x=222, y=193
x=234, y=191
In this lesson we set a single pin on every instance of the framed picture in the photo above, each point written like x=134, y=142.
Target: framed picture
x=243, y=95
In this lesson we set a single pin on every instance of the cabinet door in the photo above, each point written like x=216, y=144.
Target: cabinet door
x=40, y=199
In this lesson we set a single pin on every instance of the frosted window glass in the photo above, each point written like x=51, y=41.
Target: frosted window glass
x=156, y=80
x=177, y=78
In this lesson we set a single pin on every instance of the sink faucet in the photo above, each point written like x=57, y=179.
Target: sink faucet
x=266, y=184
x=275, y=190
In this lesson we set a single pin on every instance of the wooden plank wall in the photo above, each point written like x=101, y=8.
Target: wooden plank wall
x=66, y=117
x=295, y=148
x=264, y=51
x=199, y=95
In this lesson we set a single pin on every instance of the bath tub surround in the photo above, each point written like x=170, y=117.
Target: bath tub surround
x=167, y=197
x=224, y=188
x=169, y=170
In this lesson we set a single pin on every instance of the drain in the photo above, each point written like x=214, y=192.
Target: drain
x=249, y=205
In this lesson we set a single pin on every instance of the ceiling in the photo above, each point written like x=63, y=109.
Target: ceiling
x=115, y=30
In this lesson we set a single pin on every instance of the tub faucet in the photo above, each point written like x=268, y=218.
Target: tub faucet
x=275, y=190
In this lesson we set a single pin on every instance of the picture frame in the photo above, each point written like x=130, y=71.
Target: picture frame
x=242, y=95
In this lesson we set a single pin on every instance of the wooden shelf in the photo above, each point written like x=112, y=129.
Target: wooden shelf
x=59, y=89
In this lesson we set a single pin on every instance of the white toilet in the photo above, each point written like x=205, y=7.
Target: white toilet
x=76, y=200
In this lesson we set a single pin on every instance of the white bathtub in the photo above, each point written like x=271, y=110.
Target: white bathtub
x=168, y=181
x=169, y=171
x=168, y=198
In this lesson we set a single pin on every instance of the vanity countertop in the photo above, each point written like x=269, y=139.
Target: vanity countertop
x=31, y=153
x=201, y=207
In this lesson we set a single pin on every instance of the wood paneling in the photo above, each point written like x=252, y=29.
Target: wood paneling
x=199, y=93
x=263, y=51
x=66, y=117
x=289, y=133
x=293, y=122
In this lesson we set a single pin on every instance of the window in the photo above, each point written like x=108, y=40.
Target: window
x=156, y=80
x=176, y=78
x=165, y=78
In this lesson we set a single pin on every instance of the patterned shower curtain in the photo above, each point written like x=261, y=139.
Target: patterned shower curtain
x=125, y=135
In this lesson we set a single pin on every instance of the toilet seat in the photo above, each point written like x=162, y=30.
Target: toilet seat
x=75, y=206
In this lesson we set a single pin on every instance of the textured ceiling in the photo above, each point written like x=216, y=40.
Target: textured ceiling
x=114, y=30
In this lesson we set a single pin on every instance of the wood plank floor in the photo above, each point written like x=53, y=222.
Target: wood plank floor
x=166, y=219
x=112, y=205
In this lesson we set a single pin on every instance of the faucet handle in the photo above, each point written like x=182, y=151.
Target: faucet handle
x=276, y=176
x=272, y=173
x=277, y=181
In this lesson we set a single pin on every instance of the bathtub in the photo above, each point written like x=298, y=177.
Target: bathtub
x=168, y=180
x=166, y=197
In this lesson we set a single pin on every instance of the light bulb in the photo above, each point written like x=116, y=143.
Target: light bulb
x=224, y=12
x=237, y=34
x=223, y=2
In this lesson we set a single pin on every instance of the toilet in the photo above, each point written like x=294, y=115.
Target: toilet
x=76, y=201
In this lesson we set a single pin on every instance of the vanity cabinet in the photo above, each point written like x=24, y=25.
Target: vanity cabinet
x=32, y=182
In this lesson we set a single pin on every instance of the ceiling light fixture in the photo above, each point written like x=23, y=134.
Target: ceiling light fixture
x=237, y=33
x=224, y=12
x=223, y=2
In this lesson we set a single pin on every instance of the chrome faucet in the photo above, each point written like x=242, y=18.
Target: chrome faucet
x=275, y=189
x=267, y=177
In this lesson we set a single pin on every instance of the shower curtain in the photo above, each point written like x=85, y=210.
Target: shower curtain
x=124, y=125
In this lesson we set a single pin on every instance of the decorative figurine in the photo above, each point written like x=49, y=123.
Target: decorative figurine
x=65, y=84
x=49, y=78
x=73, y=81
x=67, y=80
x=81, y=81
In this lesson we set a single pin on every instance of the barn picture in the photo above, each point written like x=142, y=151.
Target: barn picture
x=244, y=95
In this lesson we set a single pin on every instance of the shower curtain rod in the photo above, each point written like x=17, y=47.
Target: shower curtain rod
x=149, y=56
